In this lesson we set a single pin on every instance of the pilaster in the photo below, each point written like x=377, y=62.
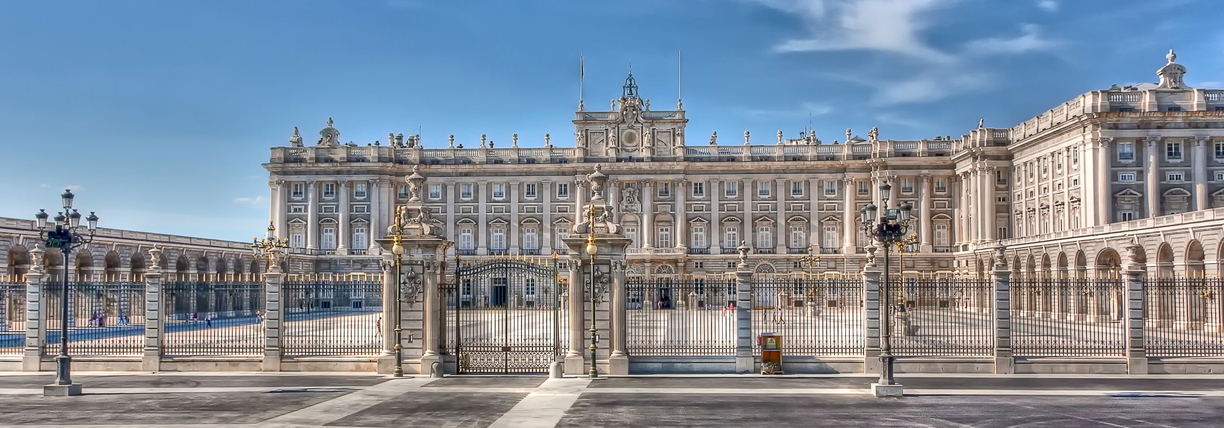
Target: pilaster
x=273, y=347
x=153, y=323
x=36, y=307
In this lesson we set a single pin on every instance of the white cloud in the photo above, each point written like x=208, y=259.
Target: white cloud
x=878, y=25
x=893, y=118
x=803, y=111
x=44, y=186
x=74, y=187
x=253, y=201
x=1048, y=5
x=928, y=87
x=1030, y=41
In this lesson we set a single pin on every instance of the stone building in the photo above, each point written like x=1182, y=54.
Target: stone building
x=1135, y=163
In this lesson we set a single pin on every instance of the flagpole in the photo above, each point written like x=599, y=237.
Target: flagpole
x=581, y=76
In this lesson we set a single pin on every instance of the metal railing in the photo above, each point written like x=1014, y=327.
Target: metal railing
x=334, y=316
x=1068, y=317
x=12, y=317
x=104, y=318
x=941, y=316
x=1183, y=317
x=814, y=315
x=692, y=250
x=213, y=318
x=681, y=315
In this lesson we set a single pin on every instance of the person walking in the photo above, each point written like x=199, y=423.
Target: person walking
x=208, y=320
x=378, y=327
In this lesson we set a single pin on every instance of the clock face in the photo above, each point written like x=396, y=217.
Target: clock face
x=630, y=139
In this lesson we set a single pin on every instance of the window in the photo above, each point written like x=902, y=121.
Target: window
x=403, y=192
x=499, y=191
x=465, y=191
x=297, y=209
x=1126, y=215
x=359, y=190
x=731, y=237
x=907, y=185
x=664, y=189
x=699, y=237
x=360, y=209
x=631, y=232
x=1173, y=109
x=731, y=189
x=941, y=235
x=1126, y=177
x=529, y=288
x=467, y=288
x=560, y=233
x=665, y=237
x=297, y=240
x=698, y=190
x=360, y=239
x=764, y=237
x=465, y=239
x=562, y=190
x=797, y=237
x=941, y=185
x=1175, y=177
x=329, y=190
x=1002, y=233
x=435, y=191
x=1001, y=178
x=763, y=188
x=529, y=191
x=1173, y=150
x=830, y=239
x=1074, y=157
x=531, y=238
x=299, y=190
x=864, y=188
x=1219, y=150
x=1219, y=176
x=328, y=238
x=1126, y=150
x=498, y=238
x=796, y=188
x=831, y=188
x=327, y=209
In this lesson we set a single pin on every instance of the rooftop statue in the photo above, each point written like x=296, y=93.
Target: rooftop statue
x=296, y=139
x=329, y=136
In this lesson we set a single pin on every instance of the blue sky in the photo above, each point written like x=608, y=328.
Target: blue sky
x=160, y=113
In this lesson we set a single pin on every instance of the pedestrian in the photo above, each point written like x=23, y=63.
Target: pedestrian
x=93, y=320
x=208, y=320
x=195, y=317
x=378, y=327
x=258, y=316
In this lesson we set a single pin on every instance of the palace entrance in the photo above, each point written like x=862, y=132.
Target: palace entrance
x=504, y=315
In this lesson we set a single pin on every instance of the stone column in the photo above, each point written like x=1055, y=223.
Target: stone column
x=1152, y=182
x=959, y=203
x=681, y=224
x=432, y=306
x=36, y=307
x=744, y=360
x=1004, y=361
x=312, y=216
x=618, y=361
x=275, y=204
x=379, y=216
x=814, y=191
x=1102, y=179
x=549, y=241
x=342, y=229
x=482, y=224
x=647, y=214
x=1200, y=175
x=153, y=324
x=716, y=226
x=989, y=205
x=390, y=307
x=849, y=217
x=452, y=233
x=924, y=215
x=1136, y=354
x=273, y=348
x=574, y=358
x=872, y=274
x=512, y=231
x=749, y=235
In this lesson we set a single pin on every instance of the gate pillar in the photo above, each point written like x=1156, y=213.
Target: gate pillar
x=744, y=361
x=36, y=313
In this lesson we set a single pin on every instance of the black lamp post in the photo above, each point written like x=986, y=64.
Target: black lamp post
x=65, y=237
x=591, y=249
x=888, y=229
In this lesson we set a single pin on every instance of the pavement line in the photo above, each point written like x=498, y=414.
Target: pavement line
x=735, y=391
x=331, y=410
x=481, y=389
x=1066, y=392
x=544, y=407
x=191, y=390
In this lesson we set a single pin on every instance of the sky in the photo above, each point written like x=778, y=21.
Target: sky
x=159, y=114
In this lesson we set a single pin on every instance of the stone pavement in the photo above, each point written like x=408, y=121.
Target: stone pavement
x=358, y=400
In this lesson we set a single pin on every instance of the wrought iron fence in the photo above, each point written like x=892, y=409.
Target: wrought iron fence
x=12, y=317
x=1068, y=317
x=104, y=318
x=681, y=315
x=1183, y=317
x=505, y=315
x=213, y=318
x=816, y=315
x=332, y=315
x=941, y=316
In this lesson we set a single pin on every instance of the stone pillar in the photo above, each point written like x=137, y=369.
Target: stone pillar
x=312, y=216
x=378, y=215
x=1004, y=361
x=849, y=214
x=390, y=307
x=959, y=202
x=1152, y=182
x=548, y=241
x=1136, y=354
x=749, y=235
x=744, y=360
x=988, y=203
x=153, y=324
x=924, y=215
x=647, y=214
x=482, y=222
x=342, y=229
x=280, y=204
x=574, y=358
x=781, y=225
x=273, y=348
x=814, y=190
x=1102, y=180
x=1200, y=175
x=716, y=226
x=681, y=223
x=512, y=239
x=618, y=361
x=871, y=311
x=36, y=307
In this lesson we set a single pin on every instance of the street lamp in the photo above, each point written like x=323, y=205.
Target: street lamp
x=810, y=261
x=591, y=249
x=889, y=229
x=65, y=237
x=397, y=248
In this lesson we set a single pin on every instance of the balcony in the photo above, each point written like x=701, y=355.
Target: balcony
x=770, y=250
x=796, y=250
x=530, y=251
x=499, y=252
x=699, y=250
x=943, y=249
x=830, y=250
x=466, y=252
x=358, y=252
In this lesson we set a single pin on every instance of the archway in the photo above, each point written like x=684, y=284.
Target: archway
x=18, y=263
x=1108, y=263
x=1081, y=264
x=137, y=266
x=1195, y=266
x=110, y=266
x=84, y=267
x=180, y=268
x=1164, y=261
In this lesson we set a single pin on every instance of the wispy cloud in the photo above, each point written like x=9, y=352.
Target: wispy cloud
x=879, y=25
x=44, y=186
x=253, y=201
x=1030, y=41
x=1048, y=5
x=74, y=187
x=804, y=110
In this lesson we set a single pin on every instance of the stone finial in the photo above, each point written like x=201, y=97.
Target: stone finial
x=391, y=139
x=329, y=136
x=873, y=135
x=155, y=257
x=482, y=141
x=1000, y=258
x=714, y=138
x=646, y=104
x=1133, y=260
x=36, y=259
x=779, y=137
x=514, y=141
x=546, y=142
x=597, y=180
x=296, y=139
x=848, y=133
x=1171, y=74
x=451, y=141
x=743, y=250
x=746, y=134
x=981, y=122
x=415, y=182
x=1171, y=56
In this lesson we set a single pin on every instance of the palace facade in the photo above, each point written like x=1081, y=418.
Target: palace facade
x=1063, y=191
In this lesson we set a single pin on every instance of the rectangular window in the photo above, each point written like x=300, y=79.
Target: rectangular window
x=698, y=190
x=1219, y=150
x=327, y=209
x=499, y=191
x=1001, y=178
x=1126, y=177
x=531, y=239
x=1219, y=176
x=796, y=188
x=360, y=239
x=941, y=185
x=299, y=190
x=327, y=239
x=403, y=192
x=560, y=234
x=664, y=190
x=435, y=191
x=631, y=232
x=359, y=190
x=831, y=240
x=731, y=237
x=562, y=190
x=297, y=240
x=1173, y=109
x=864, y=188
x=329, y=190
x=1126, y=215
x=699, y=236
x=907, y=185
x=297, y=209
x=360, y=209
x=529, y=190
x=529, y=289
x=797, y=237
x=831, y=188
x=465, y=239
x=467, y=288
x=465, y=191
x=665, y=237
x=498, y=241
x=763, y=188
x=1175, y=177
x=1126, y=150
x=731, y=189
x=1173, y=150
x=764, y=237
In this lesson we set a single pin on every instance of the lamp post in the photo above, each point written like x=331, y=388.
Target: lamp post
x=809, y=261
x=397, y=248
x=889, y=229
x=591, y=249
x=65, y=237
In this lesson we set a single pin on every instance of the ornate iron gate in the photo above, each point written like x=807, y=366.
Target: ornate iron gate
x=504, y=315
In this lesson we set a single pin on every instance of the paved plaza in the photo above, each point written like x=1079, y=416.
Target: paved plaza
x=352, y=400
